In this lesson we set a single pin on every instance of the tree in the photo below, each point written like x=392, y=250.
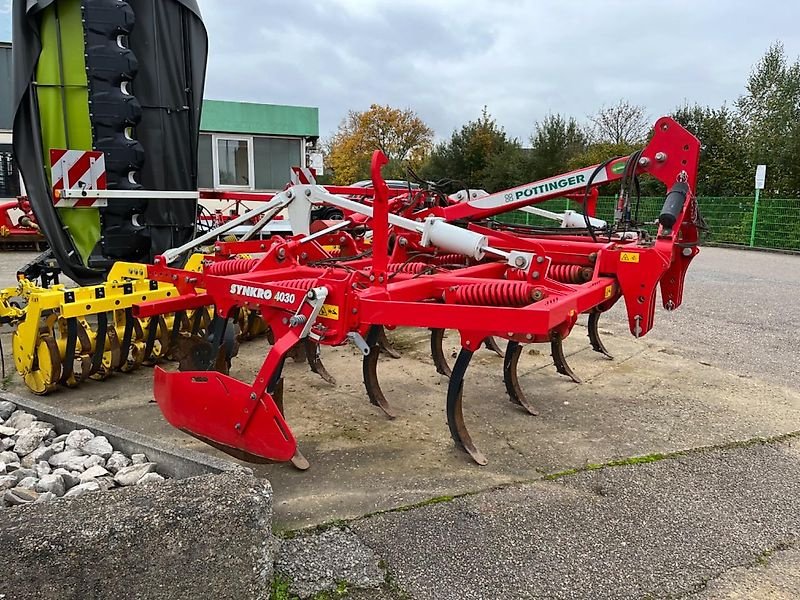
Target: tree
x=770, y=110
x=555, y=141
x=724, y=168
x=479, y=155
x=620, y=123
x=403, y=137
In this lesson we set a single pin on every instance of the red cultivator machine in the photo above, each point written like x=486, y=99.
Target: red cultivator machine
x=421, y=259
x=18, y=226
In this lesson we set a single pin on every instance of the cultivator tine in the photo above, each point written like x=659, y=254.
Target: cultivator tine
x=511, y=378
x=114, y=354
x=455, y=415
x=491, y=344
x=180, y=323
x=214, y=353
x=437, y=352
x=299, y=461
x=386, y=345
x=68, y=377
x=150, y=343
x=314, y=359
x=99, y=347
x=250, y=328
x=126, y=360
x=200, y=322
x=370, y=371
x=594, y=335
x=559, y=358
x=297, y=352
x=222, y=344
x=440, y=360
x=84, y=349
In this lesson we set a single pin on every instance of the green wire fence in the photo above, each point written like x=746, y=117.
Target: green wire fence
x=730, y=220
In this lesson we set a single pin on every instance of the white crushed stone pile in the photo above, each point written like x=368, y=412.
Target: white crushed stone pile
x=39, y=465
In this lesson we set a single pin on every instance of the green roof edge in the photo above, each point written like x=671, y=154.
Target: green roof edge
x=259, y=119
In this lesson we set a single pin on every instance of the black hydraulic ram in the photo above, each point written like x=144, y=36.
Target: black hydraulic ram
x=673, y=205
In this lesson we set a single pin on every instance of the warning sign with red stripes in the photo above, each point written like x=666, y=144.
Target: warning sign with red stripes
x=302, y=175
x=77, y=170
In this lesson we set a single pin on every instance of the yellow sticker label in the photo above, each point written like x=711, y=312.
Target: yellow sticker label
x=609, y=291
x=331, y=248
x=629, y=257
x=329, y=311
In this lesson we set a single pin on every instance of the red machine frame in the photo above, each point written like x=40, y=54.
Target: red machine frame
x=522, y=288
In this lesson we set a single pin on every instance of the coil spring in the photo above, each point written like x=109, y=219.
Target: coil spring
x=513, y=274
x=448, y=259
x=298, y=284
x=232, y=267
x=497, y=293
x=409, y=267
x=569, y=273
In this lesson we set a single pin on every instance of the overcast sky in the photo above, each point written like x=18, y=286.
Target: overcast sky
x=446, y=59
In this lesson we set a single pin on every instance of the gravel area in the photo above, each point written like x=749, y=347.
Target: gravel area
x=39, y=464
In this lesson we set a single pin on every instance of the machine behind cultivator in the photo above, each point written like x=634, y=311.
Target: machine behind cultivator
x=418, y=259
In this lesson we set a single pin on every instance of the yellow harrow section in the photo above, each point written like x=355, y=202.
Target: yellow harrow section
x=67, y=335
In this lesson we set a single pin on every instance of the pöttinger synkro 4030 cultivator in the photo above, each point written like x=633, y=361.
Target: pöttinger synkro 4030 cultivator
x=437, y=265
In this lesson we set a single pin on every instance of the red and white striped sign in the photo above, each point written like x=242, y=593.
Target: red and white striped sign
x=303, y=175
x=77, y=170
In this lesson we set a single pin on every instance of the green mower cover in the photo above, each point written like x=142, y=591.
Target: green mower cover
x=123, y=78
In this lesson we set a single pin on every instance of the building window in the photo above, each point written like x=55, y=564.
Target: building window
x=274, y=158
x=233, y=162
x=9, y=178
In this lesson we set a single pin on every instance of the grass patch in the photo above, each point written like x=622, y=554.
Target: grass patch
x=621, y=462
x=281, y=591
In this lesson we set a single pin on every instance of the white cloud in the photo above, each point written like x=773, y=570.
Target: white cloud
x=521, y=58
x=5, y=20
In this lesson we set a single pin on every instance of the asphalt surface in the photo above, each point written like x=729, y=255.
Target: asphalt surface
x=660, y=530
x=740, y=313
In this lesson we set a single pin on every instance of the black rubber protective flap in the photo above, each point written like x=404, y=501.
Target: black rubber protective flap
x=171, y=44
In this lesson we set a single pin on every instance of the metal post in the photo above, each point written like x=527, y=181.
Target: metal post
x=755, y=219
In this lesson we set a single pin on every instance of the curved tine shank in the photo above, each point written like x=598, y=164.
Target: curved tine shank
x=180, y=323
x=491, y=344
x=314, y=360
x=125, y=343
x=99, y=344
x=559, y=359
x=455, y=415
x=511, y=379
x=68, y=377
x=275, y=389
x=437, y=352
x=386, y=345
x=369, y=367
x=594, y=335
